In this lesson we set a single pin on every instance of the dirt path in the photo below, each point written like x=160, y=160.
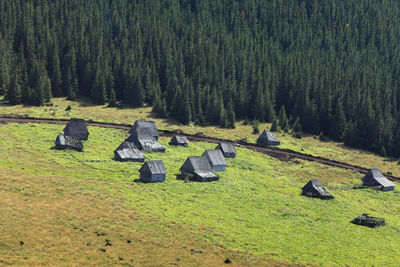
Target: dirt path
x=281, y=154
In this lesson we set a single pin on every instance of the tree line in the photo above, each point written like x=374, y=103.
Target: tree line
x=332, y=67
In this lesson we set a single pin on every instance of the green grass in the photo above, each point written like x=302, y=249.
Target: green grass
x=256, y=207
x=309, y=144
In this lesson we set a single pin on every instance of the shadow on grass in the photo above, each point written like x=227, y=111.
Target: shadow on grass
x=391, y=160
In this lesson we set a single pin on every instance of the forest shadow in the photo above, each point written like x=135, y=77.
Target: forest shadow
x=390, y=160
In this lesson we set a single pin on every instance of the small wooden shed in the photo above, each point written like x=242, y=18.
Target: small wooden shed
x=315, y=189
x=268, y=139
x=153, y=171
x=227, y=149
x=198, y=169
x=216, y=159
x=67, y=142
x=127, y=151
x=375, y=178
x=77, y=129
x=179, y=141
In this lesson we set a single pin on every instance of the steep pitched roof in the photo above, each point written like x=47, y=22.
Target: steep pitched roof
x=127, y=151
x=126, y=145
x=153, y=167
x=227, y=149
x=77, y=128
x=196, y=164
x=375, y=178
x=144, y=129
x=64, y=141
x=150, y=145
x=215, y=157
x=198, y=169
x=315, y=189
x=179, y=140
x=267, y=137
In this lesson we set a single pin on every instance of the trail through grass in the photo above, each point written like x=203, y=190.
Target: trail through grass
x=309, y=144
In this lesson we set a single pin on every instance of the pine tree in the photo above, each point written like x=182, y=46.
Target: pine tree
x=184, y=106
x=112, y=100
x=4, y=76
x=283, y=120
x=230, y=115
x=256, y=125
x=297, y=131
x=13, y=93
x=350, y=134
x=274, y=126
x=338, y=122
x=55, y=72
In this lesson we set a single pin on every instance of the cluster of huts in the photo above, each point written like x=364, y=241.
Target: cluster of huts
x=75, y=131
x=144, y=137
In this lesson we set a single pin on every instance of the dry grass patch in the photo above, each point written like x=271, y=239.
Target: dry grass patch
x=46, y=220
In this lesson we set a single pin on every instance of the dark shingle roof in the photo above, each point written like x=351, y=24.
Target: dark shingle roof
x=77, y=128
x=128, y=151
x=268, y=138
x=179, y=140
x=196, y=164
x=150, y=145
x=198, y=169
x=144, y=129
x=126, y=145
x=153, y=167
x=215, y=157
x=227, y=149
x=315, y=189
x=63, y=142
x=375, y=178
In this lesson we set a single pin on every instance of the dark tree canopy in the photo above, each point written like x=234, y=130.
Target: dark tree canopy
x=334, y=65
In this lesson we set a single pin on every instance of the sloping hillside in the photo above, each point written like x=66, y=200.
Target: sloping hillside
x=308, y=144
x=64, y=205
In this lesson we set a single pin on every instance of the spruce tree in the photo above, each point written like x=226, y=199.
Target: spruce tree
x=13, y=93
x=112, y=100
x=338, y=122
x=283, y=119
x=4, y=76
x=297, y=131
x=274, y=126
x=256, y=125
x=230, y=115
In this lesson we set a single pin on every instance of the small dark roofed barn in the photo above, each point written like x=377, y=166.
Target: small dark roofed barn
x=227, y=149
x=375, y=178
x=216, y=159
x=179, y=141
x=315, y=189
x=150, y=146
x=77, y=129
x=127, y=151
x=153, y=171
x=198, y=169
x=268, y=139
x=144, y=134
x=67, y=142
x=143, y=129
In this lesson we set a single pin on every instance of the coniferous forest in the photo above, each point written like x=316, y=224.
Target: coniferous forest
x=324, y=67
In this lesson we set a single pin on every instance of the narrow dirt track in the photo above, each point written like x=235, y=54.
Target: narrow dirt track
x=281, y=154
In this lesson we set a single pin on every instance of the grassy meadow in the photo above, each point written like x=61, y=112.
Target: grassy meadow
x=308, y=144
x=63, y=205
